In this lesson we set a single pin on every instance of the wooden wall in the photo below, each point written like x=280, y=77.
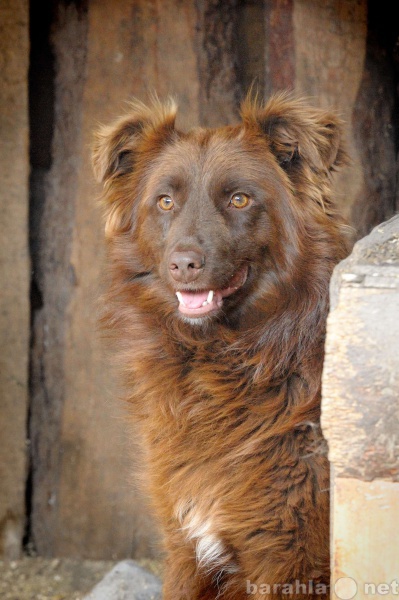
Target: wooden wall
x=87, y=58
x=14, y=271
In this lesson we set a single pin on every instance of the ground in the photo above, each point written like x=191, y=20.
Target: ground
x=35, y=578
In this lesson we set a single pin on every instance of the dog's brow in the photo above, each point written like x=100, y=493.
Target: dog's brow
x=168, y=182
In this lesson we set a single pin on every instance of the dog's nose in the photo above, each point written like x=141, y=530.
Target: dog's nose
x=186, y=266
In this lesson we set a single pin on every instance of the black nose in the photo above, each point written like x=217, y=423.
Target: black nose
x=186, y=266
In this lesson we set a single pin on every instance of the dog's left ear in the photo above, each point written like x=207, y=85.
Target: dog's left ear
x=297, y=132
x=116, y=145
x=117, y=153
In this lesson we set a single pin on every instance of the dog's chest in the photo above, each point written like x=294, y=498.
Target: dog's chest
x=201, y=526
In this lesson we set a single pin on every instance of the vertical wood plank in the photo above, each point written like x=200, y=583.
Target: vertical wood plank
x=14, y=272
x=217, y=51
x=279, y=46
x=55, y=279
x=375, y=121
x=330, y=49
x=85, y=502
x=206, y=54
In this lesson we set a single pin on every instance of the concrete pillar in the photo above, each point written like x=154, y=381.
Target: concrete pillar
x=360, y=416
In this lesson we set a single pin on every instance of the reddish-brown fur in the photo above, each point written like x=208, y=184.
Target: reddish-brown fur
x=227, y=404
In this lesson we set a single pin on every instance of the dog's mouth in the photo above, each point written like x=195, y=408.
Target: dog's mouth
x=203, y=302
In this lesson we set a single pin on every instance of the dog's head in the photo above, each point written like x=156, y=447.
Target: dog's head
x=214, y=222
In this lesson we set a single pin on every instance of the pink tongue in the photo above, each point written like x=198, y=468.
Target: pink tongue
x=194, y=299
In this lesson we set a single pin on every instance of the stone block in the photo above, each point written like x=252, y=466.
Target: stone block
x=127, y=581
x=360, y=416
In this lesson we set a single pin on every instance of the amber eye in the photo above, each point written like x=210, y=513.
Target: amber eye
x=240, y=200
x=166, y=203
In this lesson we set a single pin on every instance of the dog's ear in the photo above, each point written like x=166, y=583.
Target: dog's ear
x=117, y=151
x=115, y=145
x=297, y=132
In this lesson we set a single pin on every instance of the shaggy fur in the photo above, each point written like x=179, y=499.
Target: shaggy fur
x=227, y=395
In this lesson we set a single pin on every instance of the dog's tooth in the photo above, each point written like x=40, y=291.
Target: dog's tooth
x=210, y=296
x=180, y=298
x=204, y=303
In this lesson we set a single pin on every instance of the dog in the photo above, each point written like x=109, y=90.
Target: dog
x=221, y=243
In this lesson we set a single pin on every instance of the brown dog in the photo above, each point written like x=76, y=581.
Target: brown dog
x=221, y=245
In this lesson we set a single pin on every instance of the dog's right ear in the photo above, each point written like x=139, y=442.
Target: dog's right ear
x=115, y=145
x=297, y=132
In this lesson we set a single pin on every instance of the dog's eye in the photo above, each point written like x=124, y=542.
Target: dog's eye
x=240, y=200
x=166, y=203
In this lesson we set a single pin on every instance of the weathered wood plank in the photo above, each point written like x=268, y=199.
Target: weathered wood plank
x=375, y=121
x=279, y=46
x=217, y=53
x=14, y=272
x=84, y=499
x=330, y=49
x=53, y=201
x=206, y=54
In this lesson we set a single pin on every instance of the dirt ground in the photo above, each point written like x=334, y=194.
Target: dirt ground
x=35, y=578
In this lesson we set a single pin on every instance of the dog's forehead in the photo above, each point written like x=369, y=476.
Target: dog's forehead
x=214, y=152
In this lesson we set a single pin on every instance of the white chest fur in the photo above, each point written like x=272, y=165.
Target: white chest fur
x=200, y=527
